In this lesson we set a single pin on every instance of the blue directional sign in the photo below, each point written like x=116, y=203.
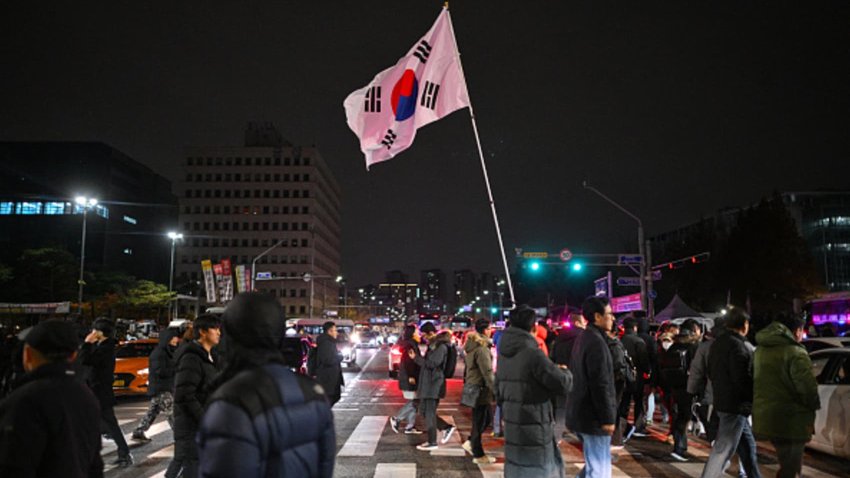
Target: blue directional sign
x=628, y=281
x=629, y=259
x=264, y=275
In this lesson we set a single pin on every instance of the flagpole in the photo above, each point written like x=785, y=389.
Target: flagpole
x=483, y=166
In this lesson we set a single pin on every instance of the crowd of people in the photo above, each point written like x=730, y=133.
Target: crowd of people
x=236, y=409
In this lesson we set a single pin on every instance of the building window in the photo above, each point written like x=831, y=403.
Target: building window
x=304, y=226
x=303, y=293
x=27, y=208
x=238, y=162
x=190, y=161
x=305, y=193
x=188, y=193
x=306, y=161
x=291, y=309
x=128, y=251
x=286, y=178
x=130, y=220
x=302, y=309
x=296, y=177
x=298, y=161
x=56, y=208
x=304, y=243
x=6, y=208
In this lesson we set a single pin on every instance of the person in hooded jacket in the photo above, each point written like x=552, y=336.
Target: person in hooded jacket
x=98, y=352
x=526, y=382
x=50, y=424
x=592, y=404
x=432, y=383
x=160, y=382
x=196, y=371
x=408, y=374
x=328, y=363
x=479, y=372
x=636, y=349
x=785, y=392
x=674, y=364
x=263, y=420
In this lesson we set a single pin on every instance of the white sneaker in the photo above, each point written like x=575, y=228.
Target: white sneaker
x=467, y=446
x=427, y=446
x=484, y=460
x=447, y=434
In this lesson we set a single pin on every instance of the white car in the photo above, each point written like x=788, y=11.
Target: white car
x=832, y=421
x=813, y=344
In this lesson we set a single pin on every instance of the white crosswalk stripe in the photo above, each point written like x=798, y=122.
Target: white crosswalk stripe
x=364, y=439
x=395, y=470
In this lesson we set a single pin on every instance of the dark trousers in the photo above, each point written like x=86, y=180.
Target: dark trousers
x=480, y=419
x=790, y=456
x=681, y=416
x=634, y=393
x=110, y=424
x=432, y=421
x=185, y=459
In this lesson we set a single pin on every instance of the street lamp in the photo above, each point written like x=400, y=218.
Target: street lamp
x=641, y=247
x=254, y=264
x=86, y=204
x=174, y=236
x=341, y=280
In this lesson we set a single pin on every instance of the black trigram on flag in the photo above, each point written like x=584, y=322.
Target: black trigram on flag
x=389, y=139
x=423, y=49
x=429, y=95
x=373, y=100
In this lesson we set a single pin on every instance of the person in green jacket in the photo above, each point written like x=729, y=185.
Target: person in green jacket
x=785, y=392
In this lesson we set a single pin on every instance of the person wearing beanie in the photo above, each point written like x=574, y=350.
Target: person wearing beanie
x=263, y=420
x=98, y=352
x=50, y=424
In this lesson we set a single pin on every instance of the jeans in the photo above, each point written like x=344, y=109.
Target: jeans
x=790, y=456
x=734, y=433
x=480, y=419
x=110, y=424
x=650, y=404
x=160, y=403
x=408, y=414
x=497, y=420
x=681, y=416
x=432, y=421
x=597, y=456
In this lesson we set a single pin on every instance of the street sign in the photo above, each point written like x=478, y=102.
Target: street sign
x=628, y=281
x=565, y=255
x=629, y=259
x=656, y=275
x=535, y=255
x=264, y=275
x=626, y=303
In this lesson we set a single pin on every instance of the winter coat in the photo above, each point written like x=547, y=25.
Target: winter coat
x=329, y=368
x=540, y=335
x=636, y=348
x=479, y=367
x=161, y=364
x=698, y=383
x=673, y=376
x=100, y=358
x=195, y=373
x=50, y=427
x=526, y=382
x=730, y=371
x=407, y=367
x=592, y=401
x=267, y=422
x=563, y=347
x=432, y=380
x=785, y=389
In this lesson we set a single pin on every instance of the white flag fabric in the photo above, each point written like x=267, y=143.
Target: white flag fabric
x=423, y=86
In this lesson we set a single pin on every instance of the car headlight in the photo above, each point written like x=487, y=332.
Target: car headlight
x=346, y=350
x=143, y=371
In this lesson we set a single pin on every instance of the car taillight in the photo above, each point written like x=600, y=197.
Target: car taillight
x=396, y=351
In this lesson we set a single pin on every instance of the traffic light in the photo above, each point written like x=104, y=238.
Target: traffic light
x=577, y=266
x=534, y=266
x=493, y=310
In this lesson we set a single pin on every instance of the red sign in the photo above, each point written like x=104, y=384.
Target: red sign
x=626, y=303
x=566, y=255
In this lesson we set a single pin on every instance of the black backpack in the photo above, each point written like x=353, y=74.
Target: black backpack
x=451, y=361
x=674, y=360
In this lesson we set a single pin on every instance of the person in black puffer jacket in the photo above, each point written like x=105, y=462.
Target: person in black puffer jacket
x=196, y=371
x=263, y=420
x=526, y=382
x=408, y=374
x=161, y=382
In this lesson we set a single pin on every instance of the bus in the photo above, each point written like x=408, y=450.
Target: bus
x=829, y=314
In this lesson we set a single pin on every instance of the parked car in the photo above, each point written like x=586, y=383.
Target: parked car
x=131, y=367
x=813, y=344
x=832, y=421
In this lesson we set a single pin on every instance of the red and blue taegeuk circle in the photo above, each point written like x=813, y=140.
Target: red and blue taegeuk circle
x=404, y=94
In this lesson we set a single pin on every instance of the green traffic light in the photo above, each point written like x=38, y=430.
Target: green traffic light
x=577, y=266
x=535, y=266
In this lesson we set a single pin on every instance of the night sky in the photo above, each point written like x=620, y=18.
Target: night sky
x=673, y=108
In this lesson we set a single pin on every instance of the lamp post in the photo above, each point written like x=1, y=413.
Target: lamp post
x=85, y=203
x=641, y=245
x=174, y=236
x=254, y=264
x=341, y=280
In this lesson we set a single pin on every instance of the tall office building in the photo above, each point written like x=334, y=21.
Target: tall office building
x=270, y=197
x=433, y=285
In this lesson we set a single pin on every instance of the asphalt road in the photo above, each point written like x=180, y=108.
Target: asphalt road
x=367, y=446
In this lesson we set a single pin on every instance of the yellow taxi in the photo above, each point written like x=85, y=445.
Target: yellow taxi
x=131, y=367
